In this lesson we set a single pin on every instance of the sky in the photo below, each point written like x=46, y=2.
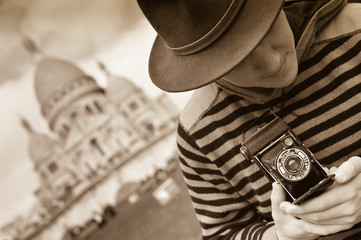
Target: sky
x=83, y=31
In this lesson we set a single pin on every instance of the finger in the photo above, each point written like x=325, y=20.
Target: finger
x=278, y=196
x=323, y=229
x=286, y=225
x=339, y=214
x=332, y=170
x=323, y=202
x=348, y=170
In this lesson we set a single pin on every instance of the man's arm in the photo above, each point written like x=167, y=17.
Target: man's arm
x=337, y=209
x=221, y=211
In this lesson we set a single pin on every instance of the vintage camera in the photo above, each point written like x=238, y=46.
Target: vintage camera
x=283, y=158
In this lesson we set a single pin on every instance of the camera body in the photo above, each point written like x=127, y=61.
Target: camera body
x=284, y=159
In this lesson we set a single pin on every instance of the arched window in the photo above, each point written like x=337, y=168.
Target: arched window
x=73, y=115
x=64, y=130
x=65, y=127
x=149, y=126
x=133, y=106
x=88, y=109
x=98, y=106
x=125, y=114
x=94, y=143
x=53, y=167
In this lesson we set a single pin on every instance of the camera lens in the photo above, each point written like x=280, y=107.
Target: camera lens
x=293, y=164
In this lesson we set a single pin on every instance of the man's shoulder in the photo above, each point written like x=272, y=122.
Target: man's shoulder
x=347, y=21
x=200, y=101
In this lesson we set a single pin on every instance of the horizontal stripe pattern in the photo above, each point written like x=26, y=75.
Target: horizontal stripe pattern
x=323, y=107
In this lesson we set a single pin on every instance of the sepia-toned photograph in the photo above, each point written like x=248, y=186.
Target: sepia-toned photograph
x=87, y=141
x=180, y=120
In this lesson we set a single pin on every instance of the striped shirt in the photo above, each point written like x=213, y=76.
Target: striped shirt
x=230, y=194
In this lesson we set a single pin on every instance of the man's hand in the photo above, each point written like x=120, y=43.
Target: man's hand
x=288, y=226
x=348, y=170
x=337, y=209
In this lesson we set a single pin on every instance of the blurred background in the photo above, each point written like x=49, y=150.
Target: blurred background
x=87, y=141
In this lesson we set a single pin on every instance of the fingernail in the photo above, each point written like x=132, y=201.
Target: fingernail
x=288, y=208
x=290, y=211
x=340, y=175
x=284, y=206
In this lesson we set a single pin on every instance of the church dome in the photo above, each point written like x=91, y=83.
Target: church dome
x=41, y=147
x=58, y=83
x=120, y=88
x=53, y=74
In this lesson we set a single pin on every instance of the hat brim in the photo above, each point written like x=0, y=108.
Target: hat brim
x=176, y=73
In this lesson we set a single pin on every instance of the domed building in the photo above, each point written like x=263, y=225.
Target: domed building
x=92, y=128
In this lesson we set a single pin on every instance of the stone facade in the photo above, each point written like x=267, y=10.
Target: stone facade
x=94, y=132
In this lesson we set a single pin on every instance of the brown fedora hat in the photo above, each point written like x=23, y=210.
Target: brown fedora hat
x=200, y=41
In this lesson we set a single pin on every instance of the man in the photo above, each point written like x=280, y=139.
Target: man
x=301, y=60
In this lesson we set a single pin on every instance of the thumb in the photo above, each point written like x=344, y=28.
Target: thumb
x=347, y=170
x=278, y=194
x=278, y=197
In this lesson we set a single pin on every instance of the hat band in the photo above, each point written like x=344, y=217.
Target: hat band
x=213, y=34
